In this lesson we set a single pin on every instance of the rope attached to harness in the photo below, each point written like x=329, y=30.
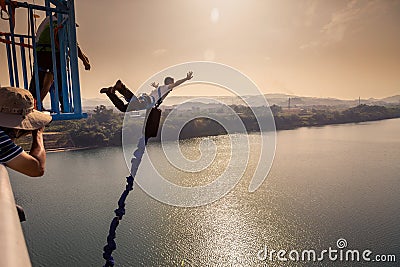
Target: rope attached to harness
x=151, y=129
x=120, y=212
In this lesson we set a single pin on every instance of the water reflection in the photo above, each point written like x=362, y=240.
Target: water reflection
x=325, y=183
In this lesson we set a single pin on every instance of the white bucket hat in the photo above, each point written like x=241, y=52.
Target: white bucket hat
x=17, y=110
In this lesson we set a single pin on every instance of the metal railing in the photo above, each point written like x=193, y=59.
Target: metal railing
x=13, y=251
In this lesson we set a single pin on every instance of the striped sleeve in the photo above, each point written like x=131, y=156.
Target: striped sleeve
x=8, y=149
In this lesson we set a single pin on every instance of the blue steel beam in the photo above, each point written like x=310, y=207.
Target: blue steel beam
x=23, y=61
x=35, y=69
x=67, y=46
x=63, y=63
x=69, y=116
x=74, y=60
x=10, y=63
x=54, y=59
x=37, y=7
x=13, y=49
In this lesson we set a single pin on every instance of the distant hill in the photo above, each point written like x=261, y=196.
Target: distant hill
x=392, y=99
x=91, y=103
x=273, y=99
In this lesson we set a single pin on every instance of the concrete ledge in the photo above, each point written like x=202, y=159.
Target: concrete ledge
x=13, y=251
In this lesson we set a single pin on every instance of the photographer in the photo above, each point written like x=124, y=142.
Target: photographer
x=18, y=118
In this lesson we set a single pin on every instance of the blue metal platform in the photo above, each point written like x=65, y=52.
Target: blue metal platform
x=65, y=40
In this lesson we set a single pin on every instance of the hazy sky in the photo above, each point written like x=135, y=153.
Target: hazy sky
x=342, y=49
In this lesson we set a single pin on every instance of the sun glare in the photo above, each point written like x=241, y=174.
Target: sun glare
x=214, y=15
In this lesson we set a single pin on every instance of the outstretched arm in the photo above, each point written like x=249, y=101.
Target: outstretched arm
x=84, y=59
x=189, y=76
x=34, y=163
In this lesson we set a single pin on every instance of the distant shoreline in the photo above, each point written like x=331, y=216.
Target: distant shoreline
x=68, y=149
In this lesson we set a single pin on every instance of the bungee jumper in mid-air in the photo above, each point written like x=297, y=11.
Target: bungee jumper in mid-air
x=144, y=101
x=150, y=103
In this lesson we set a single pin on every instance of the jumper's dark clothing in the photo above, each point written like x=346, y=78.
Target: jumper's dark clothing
x=138, y=103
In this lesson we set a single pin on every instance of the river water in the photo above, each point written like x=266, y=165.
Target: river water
x=326, y=183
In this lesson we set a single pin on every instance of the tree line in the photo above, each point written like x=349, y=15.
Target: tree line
x=103, y=127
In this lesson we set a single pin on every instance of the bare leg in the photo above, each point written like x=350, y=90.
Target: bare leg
x=47, y=81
